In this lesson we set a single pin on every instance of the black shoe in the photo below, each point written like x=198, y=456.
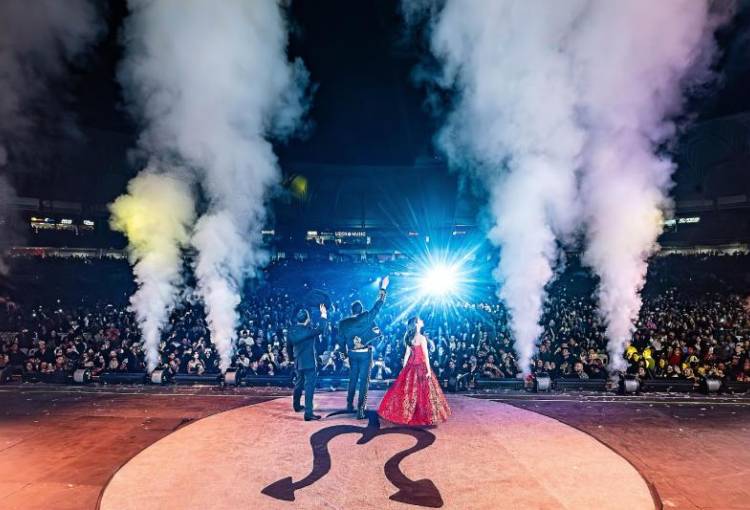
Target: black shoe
x=298, y=409
x=312, y=418
x=361, y=415
x=350, y=409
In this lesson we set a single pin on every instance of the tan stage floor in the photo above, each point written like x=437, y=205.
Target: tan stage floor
x=489, y=455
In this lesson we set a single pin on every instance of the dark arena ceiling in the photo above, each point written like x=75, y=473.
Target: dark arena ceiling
x=367, y=158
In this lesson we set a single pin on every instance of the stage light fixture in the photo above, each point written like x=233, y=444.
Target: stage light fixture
x=711, y=385
x=82, y=376
x=232, y=377
x=440, y=280
x=158, y=376
x=542, y=382
x=629, y=384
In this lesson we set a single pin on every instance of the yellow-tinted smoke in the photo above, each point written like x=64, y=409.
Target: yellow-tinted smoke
x=156, y=215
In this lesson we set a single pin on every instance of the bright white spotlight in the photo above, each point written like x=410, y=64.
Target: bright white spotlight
x=440, y=280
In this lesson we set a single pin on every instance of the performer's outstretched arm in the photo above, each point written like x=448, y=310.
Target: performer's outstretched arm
x=378, y=305
x=312, y=332
x=321, y=327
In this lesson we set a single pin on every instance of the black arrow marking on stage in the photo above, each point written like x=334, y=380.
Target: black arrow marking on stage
x=416, y=492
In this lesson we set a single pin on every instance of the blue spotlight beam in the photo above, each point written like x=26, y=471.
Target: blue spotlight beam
x=437, y=283
x=440, y=280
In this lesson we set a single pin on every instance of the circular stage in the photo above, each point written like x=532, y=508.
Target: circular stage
x=487, y=456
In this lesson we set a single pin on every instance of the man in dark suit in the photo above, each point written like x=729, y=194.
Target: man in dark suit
x=302, y=336
x=357, y=331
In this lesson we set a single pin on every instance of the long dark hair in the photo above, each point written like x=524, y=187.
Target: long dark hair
x=411, y=331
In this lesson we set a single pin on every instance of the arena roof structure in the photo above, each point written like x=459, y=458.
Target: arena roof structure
x=423, y=195
x=714, y=164
x=712, y=189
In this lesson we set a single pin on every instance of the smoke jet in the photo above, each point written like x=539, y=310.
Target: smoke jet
x=156, y=215
x=560, y=108
x=635, y=60
x=513, y=125
x=212, y=82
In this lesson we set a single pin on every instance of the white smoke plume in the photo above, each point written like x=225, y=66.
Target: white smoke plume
x=37, y=41
x=635, y=60
x=213, y=82
x=156, y=214
x=514, y=124
x=550, y=96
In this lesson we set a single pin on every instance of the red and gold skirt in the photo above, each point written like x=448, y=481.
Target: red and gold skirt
x=414, y=398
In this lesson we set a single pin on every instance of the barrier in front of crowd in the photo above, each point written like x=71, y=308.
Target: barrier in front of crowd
x=581, y=384
x=183, y=379
x=505, y=384
x=51, y=378
x=264, y=380
x=5, y=374
x=324, y=381
x=736, y=387
x=123, y=378
x=337, y=382
x=667, y=385
x=334, y=382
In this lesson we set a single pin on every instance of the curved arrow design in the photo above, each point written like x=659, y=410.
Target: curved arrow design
x=416, y=492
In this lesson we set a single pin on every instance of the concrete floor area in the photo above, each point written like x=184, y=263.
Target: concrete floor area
x=183, y=447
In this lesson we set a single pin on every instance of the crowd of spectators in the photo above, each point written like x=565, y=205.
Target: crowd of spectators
x=690, y=326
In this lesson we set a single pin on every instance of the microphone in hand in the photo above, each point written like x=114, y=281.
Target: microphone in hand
x=384, y=282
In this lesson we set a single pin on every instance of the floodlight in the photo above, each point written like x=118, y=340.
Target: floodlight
x=440, y=280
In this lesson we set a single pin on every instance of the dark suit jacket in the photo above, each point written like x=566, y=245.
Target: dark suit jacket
x=360, y=326
x=303, y=337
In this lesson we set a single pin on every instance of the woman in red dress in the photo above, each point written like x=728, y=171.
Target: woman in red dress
x=415, y=397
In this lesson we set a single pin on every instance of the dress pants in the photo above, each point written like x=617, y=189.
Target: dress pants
x=305, y=379
x=360, y=364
